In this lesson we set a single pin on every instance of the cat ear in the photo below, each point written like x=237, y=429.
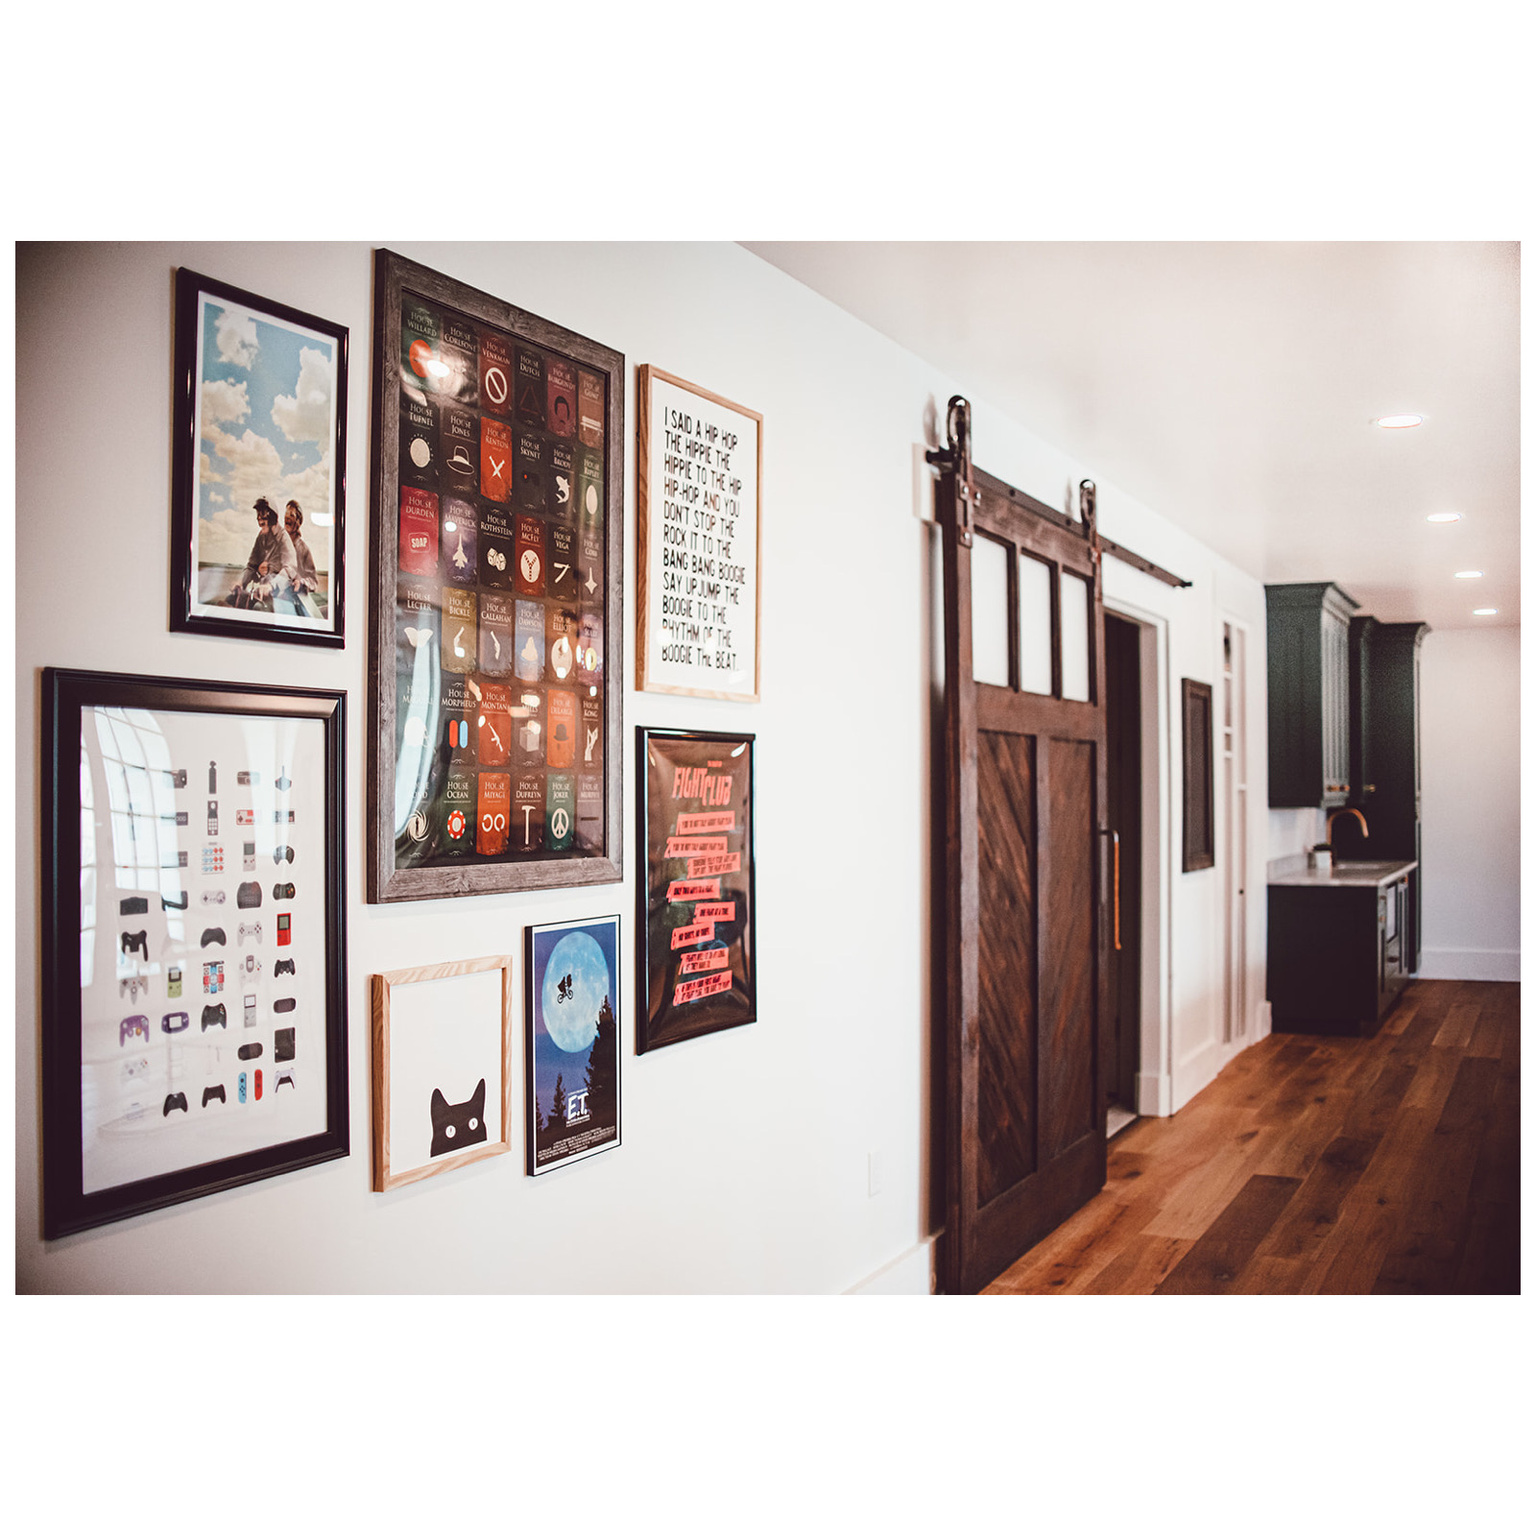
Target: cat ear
x=478, y=1097
x=439, y=1104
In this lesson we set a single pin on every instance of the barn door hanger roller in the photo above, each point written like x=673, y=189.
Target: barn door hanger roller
x=956, y=458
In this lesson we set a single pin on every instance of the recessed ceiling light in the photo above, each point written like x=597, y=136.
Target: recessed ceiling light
x=1467, y=575
x=1443, y=517
x=1482, y=613
x=1399, y=421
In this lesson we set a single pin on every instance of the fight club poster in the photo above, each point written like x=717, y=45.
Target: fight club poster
x=698, y=954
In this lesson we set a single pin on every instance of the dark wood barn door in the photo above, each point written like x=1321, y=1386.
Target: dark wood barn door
x=1024, y=921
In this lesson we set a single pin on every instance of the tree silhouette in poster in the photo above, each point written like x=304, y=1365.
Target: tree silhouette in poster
x=602, y=1077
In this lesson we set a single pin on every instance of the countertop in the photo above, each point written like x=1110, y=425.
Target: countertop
x=1351, y=872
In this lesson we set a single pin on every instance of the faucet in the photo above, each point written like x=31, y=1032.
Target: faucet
x=1347, y=810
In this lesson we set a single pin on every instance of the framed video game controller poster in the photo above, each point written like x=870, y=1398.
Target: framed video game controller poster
x=194, y=943
x=495, y=668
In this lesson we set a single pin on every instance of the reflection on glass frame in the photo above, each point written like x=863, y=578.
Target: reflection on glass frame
x=571, y=981
x=496, y=668
x=194, y=939
x=696, y=810
x=442, y=1068
x=258, y=496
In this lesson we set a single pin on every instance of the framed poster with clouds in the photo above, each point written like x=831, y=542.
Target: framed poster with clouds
x=442, y=1053
x=258, y=476
x=572, y=977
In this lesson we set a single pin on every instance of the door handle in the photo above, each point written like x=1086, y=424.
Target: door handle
x=1114, y=838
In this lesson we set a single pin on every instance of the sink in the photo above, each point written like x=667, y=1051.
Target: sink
x=1368, y=867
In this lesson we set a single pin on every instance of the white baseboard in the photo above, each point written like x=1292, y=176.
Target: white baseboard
x=1154, y=1093
x=1469, y=964
x=908, y=1274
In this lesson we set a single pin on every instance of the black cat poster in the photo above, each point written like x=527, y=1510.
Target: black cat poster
x=572, y=976
x=442, y=1047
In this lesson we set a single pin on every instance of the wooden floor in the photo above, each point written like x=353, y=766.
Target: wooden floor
x=1319, y=1164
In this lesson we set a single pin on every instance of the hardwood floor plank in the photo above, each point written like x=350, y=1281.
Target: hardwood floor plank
x=1214, y=1262
x=1310, y=1219
x=1140, y=1267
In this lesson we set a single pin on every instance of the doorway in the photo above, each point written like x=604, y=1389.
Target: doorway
x=1121, y=1024
x=1234, y=836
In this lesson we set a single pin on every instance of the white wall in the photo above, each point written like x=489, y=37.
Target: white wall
x=745, y=1157
x=1470, y=740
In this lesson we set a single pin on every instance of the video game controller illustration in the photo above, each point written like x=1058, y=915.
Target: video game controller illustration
x=214, y=1014
x=213, y=976
x=249, y=931
x=284, y=1005
x=251, y=966
x=282, y=891
x=216, y=1092
x=177, y=776
x=173, y=1023
x=135, y=1068
x=240, y=1088
x=283, y=781
x=135, y=943
x=249, y=1052
x=245, y=777
x=285, y=1076
x=173, y=981
x=213, y=898
x=282, y=1045
x=167, y=905
x=283, y=968
x=212, y=936
x=134, y=1024
x=133, y=906
x=250, y=1010
x=174, y=1101
x=249, y=895
x=281, y=853
x=131, y=985
x=245, y=818
x=213, y=859
x=284, y=928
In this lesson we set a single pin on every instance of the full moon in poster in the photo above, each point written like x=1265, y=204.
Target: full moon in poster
x=571, y=1016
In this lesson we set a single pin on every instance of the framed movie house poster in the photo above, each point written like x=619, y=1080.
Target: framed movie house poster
x=698, y=948
x=495, y=673
x=194, y=950
x=259, y=467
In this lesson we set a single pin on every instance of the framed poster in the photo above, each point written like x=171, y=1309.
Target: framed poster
x=1199, y=778
x=699, y=519
x=698, y=952
x=496, y=674
x=258, y=475
x=442, y=1068
x=572, y=972
x=194, y=939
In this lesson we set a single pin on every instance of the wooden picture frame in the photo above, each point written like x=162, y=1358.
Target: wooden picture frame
x=696, y=810
x=1199, y=777
x=496, y=666
x=489, y=1054
x=253, y=374
x=575, y=1025
x=699, y=542
x=172, y=808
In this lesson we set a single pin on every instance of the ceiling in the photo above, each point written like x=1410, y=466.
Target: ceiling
x=1232, y=388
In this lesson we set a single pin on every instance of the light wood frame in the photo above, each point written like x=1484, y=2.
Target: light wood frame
x=382, y=983
x=642, y=525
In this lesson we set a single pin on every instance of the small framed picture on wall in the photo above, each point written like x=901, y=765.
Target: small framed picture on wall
x=194, y=941
x=442, y=1055
x=258, y=475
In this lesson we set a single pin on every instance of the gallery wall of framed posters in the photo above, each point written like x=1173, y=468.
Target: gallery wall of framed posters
x=194, y=949
x=697, y=892
x=699, y=519
x=495, y=671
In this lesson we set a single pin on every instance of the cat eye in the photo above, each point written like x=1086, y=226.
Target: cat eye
x=474, y=1124
x=448, y=1132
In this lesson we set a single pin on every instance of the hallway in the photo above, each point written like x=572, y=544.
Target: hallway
x=1319, y=1164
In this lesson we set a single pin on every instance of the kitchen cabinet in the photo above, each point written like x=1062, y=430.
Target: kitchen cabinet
x=1309, y=698
x=1338, y=946
x=1385, y=755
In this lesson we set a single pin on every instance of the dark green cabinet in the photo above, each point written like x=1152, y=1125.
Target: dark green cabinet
x=1309, y=698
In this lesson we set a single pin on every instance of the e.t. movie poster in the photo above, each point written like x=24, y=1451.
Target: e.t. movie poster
x=572, y=975
x=698, y=955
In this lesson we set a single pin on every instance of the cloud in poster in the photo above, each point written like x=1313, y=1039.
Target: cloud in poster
x=305, y=415
x=235, y=337
x=225, y=401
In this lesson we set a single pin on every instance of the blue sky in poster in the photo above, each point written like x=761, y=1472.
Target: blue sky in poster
x=549, y=1060
x=266, y=428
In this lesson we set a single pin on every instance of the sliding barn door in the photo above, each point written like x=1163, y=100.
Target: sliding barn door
x=1024, y=924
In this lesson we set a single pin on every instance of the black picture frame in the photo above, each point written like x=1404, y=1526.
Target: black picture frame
x=664, y=1015
x=290, y=617
x=418, y=846
x=67, y=698
x=591, y=1107
x=1199, y=775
